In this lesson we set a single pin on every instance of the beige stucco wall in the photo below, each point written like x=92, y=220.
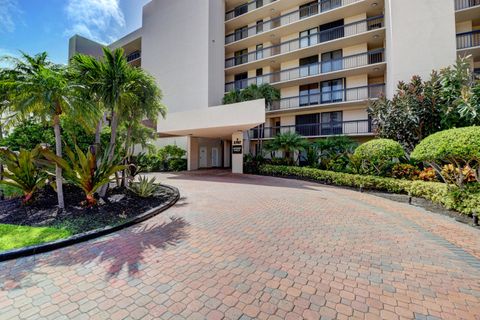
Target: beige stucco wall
x=420, y=37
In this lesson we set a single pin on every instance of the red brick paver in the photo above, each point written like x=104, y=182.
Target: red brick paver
x=258, y=247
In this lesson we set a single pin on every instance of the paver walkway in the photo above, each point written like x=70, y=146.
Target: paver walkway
x=263, y=248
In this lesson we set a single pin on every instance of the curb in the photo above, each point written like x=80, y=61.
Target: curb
x=89, y=235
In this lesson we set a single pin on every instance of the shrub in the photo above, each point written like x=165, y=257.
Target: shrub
x=171, y=152
x=451, y=197
x=23, y=171
x=378, y=155
x=27, y=135
x=177, y=165
x=145, y=187
x=251, y=163
x=458, y=147
x=334, y=152
x=405, y=171
x=150, y=162
x=427, y=174
x=449, y=173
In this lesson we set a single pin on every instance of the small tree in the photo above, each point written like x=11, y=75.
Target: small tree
x=459, y=147
x=253, y=92
x=378, y=155
x=288, y=143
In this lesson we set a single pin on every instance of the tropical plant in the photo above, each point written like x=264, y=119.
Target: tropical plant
x=86, y=170
x=145, y=187
x=41, y=88
x=334, y=152
x=253, y=92
x=459, y=147
x=449, y=99
x=405, y=171
x=379, y=155
x=288, y=143
x=23, y=171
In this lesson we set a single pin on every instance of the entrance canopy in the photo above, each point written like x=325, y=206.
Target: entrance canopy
x=214, y=122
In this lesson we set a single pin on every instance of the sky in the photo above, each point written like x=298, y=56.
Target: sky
x=35, y=26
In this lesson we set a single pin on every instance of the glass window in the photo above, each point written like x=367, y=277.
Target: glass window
x=308, y=9
x=241, y=33
x=309, y=94
x=241, y=81
x=307, y=124
x=308, y=37
x=241, y=57
x=332, y=123
x=242, y=9
x=259, y=26
x=332, y=91
x=332, y=61
x=309, y=66
x=259, y=52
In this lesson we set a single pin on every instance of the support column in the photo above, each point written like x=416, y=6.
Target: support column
x=192, y=153
x=226, y=153
x=237, y=152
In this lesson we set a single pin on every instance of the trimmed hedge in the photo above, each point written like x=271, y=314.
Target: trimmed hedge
x=448, y=196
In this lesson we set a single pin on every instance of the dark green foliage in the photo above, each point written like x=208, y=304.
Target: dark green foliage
x=253, y=92
x=449, y=196
x=449, y=99
x=252, y=163
x=405, y=171
x=177, y=164
x=27, y=135
x=334, y=152
x=288, y=143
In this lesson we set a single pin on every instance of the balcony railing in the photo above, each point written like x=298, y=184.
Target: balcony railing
x=308, y=41
x=468, y=40
x=134, y=56
x=328, y=97
x=465, y=4
x=349, y=62
x=312, y=10
x=355, y=127
x=245, y=8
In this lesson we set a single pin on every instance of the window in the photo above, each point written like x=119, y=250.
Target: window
x=332, y=61
x=259, y=3
x=307, y=124
x=308, y=37
x=259, y=26
x=241, y=81
x=259, y=73
x=331, y=31
x=241, y=9
x=241, y=33
x=309, y=94
x=309, y=66
x=330, y=4
x=332, y=123
x=332, y=91
x=308, y=9
x=241, y=57
x=259, y=52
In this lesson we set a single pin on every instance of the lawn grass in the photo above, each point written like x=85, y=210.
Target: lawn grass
x=12, y=237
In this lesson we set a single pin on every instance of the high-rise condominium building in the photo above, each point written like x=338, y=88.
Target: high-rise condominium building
x=328, y=58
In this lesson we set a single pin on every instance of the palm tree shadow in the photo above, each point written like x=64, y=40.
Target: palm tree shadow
x=124, y=250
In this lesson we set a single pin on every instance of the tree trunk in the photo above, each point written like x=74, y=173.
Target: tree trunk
x=127, y=156
x=98, y=132
x=111, y=151
x=58, y=170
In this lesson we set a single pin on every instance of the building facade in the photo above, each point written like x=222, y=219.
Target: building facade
x=328, y=58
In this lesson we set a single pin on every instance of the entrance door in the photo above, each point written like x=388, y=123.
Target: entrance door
x=215, y=162
x=203, y=157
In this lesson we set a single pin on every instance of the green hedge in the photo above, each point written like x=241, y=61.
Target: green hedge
x=449, y=196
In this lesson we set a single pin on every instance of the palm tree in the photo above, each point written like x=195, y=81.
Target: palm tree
x=41, y=88
x=288, y=143
x=144, y=103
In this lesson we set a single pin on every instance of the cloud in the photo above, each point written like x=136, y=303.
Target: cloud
x=98, y=20
x=8, y=11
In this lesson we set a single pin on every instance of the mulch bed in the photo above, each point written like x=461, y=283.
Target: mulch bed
x=120, y=205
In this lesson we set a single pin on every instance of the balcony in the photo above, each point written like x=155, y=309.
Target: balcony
x=306, y=12
x=311, y=70
x=468, y=40
x=134, y=56
x=247, y=7
x=354, y=128
x=465, y=4
x=329, y=97
x=345, y=31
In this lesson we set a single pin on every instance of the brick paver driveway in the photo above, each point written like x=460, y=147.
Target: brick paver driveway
x=259, y=247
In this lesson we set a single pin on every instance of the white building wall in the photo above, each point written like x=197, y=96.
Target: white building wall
x=420, y=38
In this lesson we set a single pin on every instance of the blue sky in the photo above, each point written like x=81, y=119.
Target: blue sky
x=46, y=25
